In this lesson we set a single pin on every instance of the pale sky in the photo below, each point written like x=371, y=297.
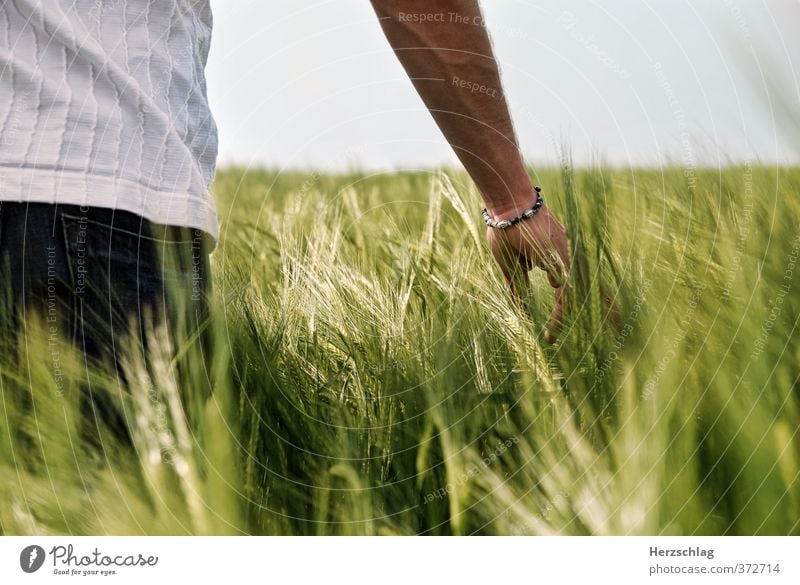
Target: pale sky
x=313, y=84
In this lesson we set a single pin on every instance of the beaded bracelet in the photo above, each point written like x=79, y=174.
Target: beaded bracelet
x=504, y=224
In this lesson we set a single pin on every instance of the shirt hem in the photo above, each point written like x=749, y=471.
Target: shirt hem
x=85, y=189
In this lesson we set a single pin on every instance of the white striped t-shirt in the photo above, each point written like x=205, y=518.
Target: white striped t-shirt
x=103, y=103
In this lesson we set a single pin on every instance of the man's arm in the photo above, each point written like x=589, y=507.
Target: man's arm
x=445, y=49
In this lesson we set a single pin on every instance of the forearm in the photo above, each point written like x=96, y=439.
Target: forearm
x=450, y=61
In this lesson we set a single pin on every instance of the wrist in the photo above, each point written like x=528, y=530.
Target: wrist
x=512, y=215
x=513, y=208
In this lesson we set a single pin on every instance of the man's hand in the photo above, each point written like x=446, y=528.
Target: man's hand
x=445, y=49
x=540, y=241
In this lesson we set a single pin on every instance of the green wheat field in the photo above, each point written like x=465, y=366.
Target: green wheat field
x=364, y=371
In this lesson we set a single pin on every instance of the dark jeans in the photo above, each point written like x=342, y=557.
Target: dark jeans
x=96, y=277
x=92, y=270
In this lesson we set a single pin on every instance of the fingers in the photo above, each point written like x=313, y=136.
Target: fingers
x=518, y=282
x=556, y=264
x=554, y=271
x=545, y=247
x=548, y=250
x=517, y=278
x=513, y=268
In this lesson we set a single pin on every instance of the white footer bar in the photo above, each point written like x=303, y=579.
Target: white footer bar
x=407, y=561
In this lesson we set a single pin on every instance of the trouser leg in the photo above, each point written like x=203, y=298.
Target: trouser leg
x=97, y=277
